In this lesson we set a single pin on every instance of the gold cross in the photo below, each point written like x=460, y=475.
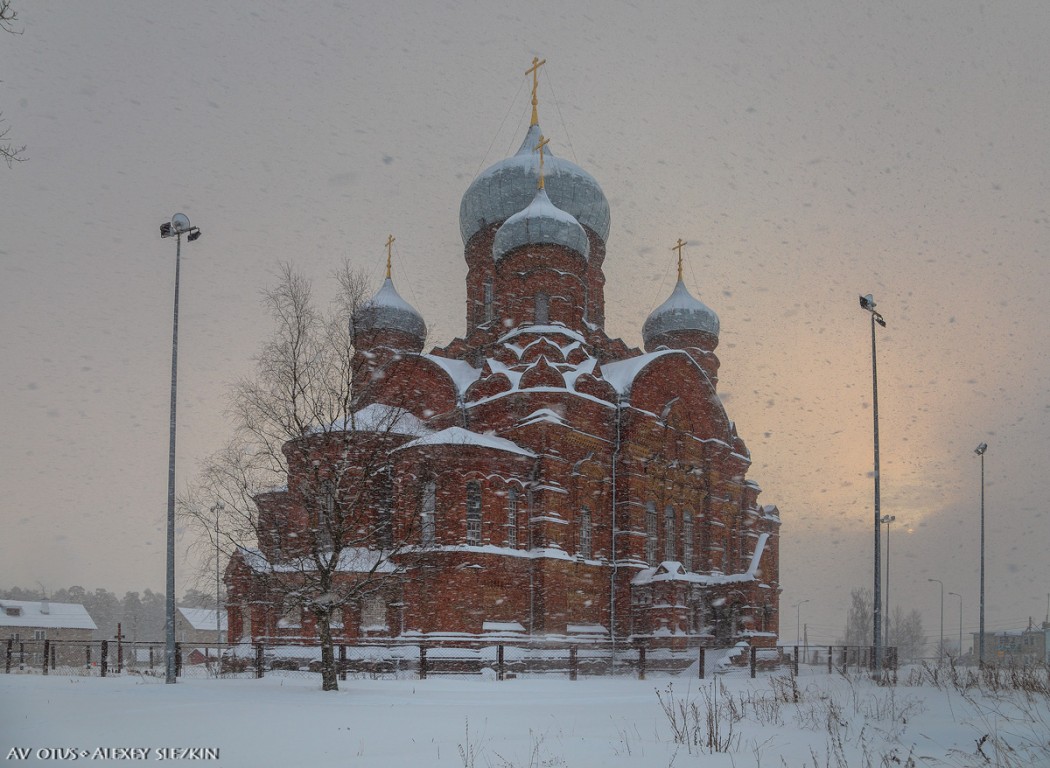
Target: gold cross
x=539, y=148
x=389, y=243
x=678, y=247
x=533, y=70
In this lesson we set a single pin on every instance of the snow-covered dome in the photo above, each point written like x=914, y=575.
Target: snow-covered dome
x=540, y=222
x=505, y=188
x=388, y=311
x=681, y=312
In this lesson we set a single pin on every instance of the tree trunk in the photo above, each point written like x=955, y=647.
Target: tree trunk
x=329, y=675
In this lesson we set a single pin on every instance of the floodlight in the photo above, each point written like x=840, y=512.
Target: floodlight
x=867, y=302
x=165, y=229
x=979, y=450
x=193, y=235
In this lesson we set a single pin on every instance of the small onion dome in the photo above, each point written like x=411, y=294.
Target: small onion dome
x=540, y=222
x=681, y=312
x=387, y=311
x=503, y=189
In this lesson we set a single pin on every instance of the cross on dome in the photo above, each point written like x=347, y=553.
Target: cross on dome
x=533, y=70
x=390, y=242
x=678, y=247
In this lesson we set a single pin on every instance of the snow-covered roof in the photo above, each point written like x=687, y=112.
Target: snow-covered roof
x=564, y=330
x=540, y=222
x=388, y=310
x=203, y=618
x=351, y=560
x=506, y=187
x=621, y=373
x=460, y=436
x=462, y=373
x=379, y=417
x=681, y=312
x=45, y=615
x=674, y=571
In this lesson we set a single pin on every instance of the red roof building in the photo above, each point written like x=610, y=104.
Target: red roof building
x=557, y=481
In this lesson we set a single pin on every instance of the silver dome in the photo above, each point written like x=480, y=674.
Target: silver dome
x=505, y=188
x=681, y=312
x=388, y=311
x=541, y=222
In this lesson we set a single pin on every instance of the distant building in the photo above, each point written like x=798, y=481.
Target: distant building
x=557, y=481
x=68, y=625
x=1016, y=646
x=197, y=625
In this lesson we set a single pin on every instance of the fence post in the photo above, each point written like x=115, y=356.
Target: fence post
x=796, y=661
x=105, y=657
x=258, y=660
x=47, y=653
x=342, y=662
x=574, y=664
x=7, y=656
x=754, y=660
x=21, y=654
x=703, y=662
x=831, y=661
x=422, y=662
x=178, y=659
x=499, y=662
x=151, y=658
x=641, y=662
x=52, y=656
x=87, y=657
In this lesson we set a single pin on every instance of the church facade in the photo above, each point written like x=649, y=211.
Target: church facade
x=552, y=481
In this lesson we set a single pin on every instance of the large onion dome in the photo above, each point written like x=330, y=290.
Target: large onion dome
x=387, y=311
x=681, y=312
x=540, y=222
x=505, y=188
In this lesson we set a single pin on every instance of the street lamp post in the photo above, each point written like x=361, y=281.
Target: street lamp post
x=798, y=621
x=979, y=450
x=960, y=621
x=940, y=649
x=177, y=227
x=217, y=508
x=867, y=303
x=887, y=519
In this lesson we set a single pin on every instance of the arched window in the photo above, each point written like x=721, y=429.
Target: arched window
x=489, y=308
x=512, y=517
x=543, y=308
x=669, y=536
x=651, y=526
x=687, y=539
x=384, y=532
x=473, y=513
x=585, y=533
x=428, y=506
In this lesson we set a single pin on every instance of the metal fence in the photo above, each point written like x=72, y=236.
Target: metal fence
x=400, y=659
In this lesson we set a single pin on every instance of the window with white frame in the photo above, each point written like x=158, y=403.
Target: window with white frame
x=687, y=539
x=474, y=513
x=651, y=525
x=428, y=506
x=512, y=517
x=585, y=533
x=669, y=536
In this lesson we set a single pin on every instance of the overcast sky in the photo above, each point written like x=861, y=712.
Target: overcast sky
x=808, y=151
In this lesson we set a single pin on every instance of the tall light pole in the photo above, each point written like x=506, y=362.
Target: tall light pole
x=887, y=519
x=798, y=621
x=960, y=621
x=979, y=450
x=867, y=303
x=217, y=508
x=940, y=650
x=177, y=227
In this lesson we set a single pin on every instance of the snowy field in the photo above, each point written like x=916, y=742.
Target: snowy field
x=825, y=721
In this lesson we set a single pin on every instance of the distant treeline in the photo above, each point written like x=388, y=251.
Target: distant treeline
x=140, y=615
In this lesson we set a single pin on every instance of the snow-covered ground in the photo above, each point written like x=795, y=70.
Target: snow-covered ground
x=836, y=722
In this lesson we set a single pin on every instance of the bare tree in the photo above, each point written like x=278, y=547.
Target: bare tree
x=9, y=152
x=859, y=619
x=306, y=483
x=906, y=633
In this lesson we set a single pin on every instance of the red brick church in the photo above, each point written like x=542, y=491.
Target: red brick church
x=555, y=481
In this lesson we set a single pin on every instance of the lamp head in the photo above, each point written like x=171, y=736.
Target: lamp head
x=867, y=302
x=165, y=229
x=979, y=450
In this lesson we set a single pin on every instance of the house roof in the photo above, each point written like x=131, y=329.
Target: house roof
x=44, y=614
x=203, y=618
